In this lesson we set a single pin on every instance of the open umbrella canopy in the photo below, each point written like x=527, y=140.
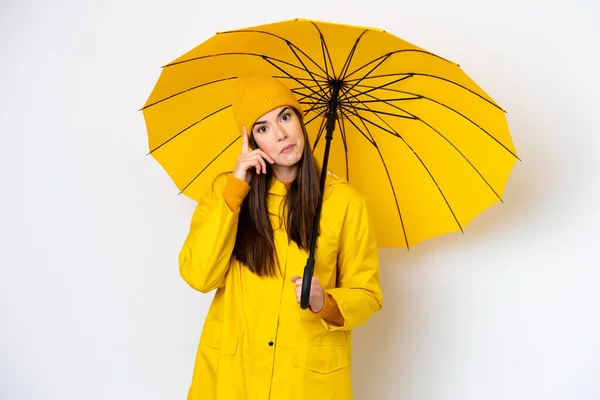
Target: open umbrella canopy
x=421, y=140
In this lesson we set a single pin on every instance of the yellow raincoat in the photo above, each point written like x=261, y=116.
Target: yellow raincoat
x=257, y=343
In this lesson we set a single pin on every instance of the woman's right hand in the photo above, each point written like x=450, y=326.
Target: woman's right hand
x=253, y=159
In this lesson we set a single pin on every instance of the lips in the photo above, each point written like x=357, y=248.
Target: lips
x=287, y=148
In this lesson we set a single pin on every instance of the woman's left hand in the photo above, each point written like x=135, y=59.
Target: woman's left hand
x=317, y=296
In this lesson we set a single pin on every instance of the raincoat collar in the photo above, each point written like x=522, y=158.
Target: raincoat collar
x=279, y=188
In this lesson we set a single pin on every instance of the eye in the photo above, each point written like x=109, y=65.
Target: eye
x=261, y=129
x=287, y=116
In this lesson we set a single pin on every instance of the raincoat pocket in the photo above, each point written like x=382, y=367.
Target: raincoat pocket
x=225, y=343
x=322, y=358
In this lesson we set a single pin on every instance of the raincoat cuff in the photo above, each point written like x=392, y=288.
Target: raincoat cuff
x=235, y=192
x=331, y=312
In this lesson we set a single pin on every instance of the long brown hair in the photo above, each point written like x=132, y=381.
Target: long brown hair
x=254, y=243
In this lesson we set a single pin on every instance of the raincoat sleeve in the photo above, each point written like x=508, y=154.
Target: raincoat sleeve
x=358, y=294
x=205, y=257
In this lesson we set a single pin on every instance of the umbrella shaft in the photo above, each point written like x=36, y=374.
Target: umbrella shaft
x=310, y=263
x=330, y=126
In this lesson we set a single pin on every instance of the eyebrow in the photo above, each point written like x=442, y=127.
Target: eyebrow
x=278, y=115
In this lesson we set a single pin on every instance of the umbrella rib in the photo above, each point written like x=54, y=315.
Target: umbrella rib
x=209, y=164
x=312, y=88
x=387, y=55
x=313, y=118
x=305, y=96
x=381, y=76
x=344, y=141
x=382, y=112
x=387, y=101
x=391, y=132
x=420, y=160
x=324, y=59
x=374, y=143
x=320, y=103
x=370, y=140
x=319, y=109
x=351, y=56
x=187, y=90
x=263, y=56
x=187, y=128
x=451, y=144
x=290, y=44
x=324, y=50
x=367, y=74
x=443, y=105
x=305, y=67
x=433, y=77
x=321, y=130
x=300, y=79
x=285, y=72
x=372, y=88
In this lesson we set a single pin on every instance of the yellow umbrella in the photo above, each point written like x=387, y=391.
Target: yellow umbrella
x=409, y=129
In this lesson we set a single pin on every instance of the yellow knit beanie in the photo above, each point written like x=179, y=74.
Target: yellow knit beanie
x=256, y=95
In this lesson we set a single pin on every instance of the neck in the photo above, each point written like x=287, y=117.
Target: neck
x=285, y=174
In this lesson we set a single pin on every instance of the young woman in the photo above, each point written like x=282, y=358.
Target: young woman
x=249, y=239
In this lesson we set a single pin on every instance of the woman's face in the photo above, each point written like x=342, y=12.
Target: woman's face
x=279, y=134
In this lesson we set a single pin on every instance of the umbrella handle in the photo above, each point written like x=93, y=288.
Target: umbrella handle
x=306, y=282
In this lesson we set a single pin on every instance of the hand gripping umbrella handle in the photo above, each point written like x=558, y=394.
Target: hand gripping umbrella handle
x=306, y=283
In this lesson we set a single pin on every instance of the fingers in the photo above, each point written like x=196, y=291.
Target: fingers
x=316, y=293
x=314, y=290
x=245, y=141
x=298, y=281
x=246, y=147
x=258, y=162
x=251, y=159
x=264, y=155
x=261, y=160
x=255, y=160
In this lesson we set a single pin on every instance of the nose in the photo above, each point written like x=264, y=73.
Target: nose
x=280, y=133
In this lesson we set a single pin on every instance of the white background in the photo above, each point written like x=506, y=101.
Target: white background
x=91, y=302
